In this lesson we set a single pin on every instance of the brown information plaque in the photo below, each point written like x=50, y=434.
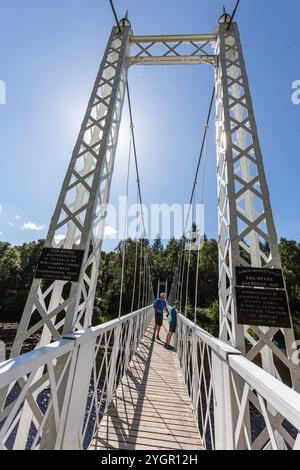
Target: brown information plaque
x=259, y=277
x=59, y=264
x=262, y=307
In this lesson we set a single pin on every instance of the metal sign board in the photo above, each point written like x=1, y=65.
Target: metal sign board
x=59, y=264
x=261, y=298
x=262, y=307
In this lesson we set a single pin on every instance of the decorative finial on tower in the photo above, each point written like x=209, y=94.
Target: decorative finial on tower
x=124, y=22
x=225, y=18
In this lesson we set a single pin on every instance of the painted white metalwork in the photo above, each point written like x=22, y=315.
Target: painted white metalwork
x=94, y=361
x=213, y=372
x=247, y=235
x=172, y=50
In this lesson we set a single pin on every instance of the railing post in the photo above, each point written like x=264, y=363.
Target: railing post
x=195, y=381
x=69, y=436
x=223, y=404
x=113, y=365
x=128, y=344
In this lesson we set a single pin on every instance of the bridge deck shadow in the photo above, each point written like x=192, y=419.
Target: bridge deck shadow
x=151, y=409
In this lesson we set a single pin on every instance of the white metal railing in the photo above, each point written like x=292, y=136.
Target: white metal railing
x=55, y=396
x=237, y=404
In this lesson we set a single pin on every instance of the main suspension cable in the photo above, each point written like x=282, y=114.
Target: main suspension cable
x=135, y=259
x=191, y=204
x=200, y=231
x=138, y=180
x=115, y=14
x=132, y=129
x=233, y=13
x=200, y=155
x=125, y=227
x=135, y=155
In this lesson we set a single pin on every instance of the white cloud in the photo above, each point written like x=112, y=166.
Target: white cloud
x=32, y=226
x=110, y=231
x=59, y=238
x=18, y=217
x=0, y=208
x=1, y=234
x=11, y=224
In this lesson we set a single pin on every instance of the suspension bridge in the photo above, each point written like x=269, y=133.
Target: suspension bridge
x=111, y=386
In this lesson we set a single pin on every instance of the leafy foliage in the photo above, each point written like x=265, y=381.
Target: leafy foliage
x=18, y=263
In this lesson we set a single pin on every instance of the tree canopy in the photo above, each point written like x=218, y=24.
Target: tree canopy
x=18, y=263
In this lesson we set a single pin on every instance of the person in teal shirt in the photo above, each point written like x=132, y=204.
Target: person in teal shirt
x=173, y=323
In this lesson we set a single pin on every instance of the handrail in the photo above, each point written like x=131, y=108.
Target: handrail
x=226, y=389
x=75, y=379
x=279, y=396
x=82, y=336
x=219, y=347
x=263, y=381
x=15, y=367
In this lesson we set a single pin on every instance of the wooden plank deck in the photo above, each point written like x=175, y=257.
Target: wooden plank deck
x=151, y=409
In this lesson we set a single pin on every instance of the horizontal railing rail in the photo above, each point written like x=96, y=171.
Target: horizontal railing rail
x=55, y=396
x=236, y=404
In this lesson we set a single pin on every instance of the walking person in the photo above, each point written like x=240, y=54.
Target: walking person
x=160, y=305
x=173, y=324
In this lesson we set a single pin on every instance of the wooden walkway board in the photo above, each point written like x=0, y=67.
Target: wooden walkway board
x=151, y=409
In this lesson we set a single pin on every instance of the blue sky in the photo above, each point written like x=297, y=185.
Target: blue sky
x=50, y=52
